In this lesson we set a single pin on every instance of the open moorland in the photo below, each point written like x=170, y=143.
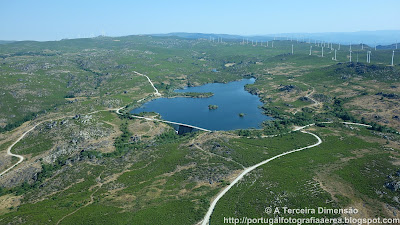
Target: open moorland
x=84, y=159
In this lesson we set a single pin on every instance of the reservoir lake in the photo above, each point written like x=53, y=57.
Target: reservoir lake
x=231, y=99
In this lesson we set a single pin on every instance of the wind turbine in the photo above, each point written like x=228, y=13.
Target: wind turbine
x=350, y=55
x=392, y=57
x=350, y=46
x=335, y=54
x=369, y=57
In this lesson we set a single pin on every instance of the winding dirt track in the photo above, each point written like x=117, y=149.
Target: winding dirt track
x=21, y=158
x=155, y=89
x=206, y=218
x=170, y=122
x=248, y=170
x=156, y=93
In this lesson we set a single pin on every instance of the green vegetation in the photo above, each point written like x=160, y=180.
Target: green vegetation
x=105, y=168
x=34, y=144
x=293, y=181
x=17, y=123
x=46, y=172
x=192, y=94
x=250, y=151
x=212, y=107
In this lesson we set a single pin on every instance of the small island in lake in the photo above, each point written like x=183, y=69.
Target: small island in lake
x=212, y=107
x=241, y=114
x=198, y=94
x=190, y=94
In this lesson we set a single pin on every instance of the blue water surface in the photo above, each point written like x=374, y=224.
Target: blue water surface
x=231, y=99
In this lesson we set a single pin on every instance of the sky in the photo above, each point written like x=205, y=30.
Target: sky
x=57, y=19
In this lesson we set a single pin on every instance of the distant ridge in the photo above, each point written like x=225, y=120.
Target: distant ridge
x=6, y=42
x=382, y=37
x=202, y=35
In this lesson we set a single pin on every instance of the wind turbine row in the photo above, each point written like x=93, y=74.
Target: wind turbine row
x=321, y=44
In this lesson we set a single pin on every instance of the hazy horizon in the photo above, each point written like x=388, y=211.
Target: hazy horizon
x=233, y=34
x=378, y=37
x=54, y=20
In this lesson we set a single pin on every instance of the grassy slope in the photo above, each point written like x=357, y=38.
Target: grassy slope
x=293, y=181
x=159, y=184
x=160, y=181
